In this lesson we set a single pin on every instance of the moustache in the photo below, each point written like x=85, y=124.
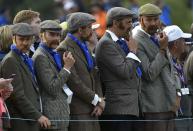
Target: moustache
x=153, y=27
x=54, y=42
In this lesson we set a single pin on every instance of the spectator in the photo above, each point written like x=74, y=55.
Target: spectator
x=159, y=90
x=32, y=18
x=4, y=16
x=134, y=6
x=166, y=12
x=25, y=101
x=120, y=73
x=100, y=15
x=87, y=102
x=177, y=47
x=5, y=40
x=52, y=77
x=6, y=89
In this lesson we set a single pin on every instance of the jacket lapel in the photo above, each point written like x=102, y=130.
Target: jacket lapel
x=51, y=59
x=76, y=49
x=25, y=69
x=116, y=44
x=145, y=39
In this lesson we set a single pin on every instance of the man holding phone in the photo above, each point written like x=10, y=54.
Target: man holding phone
x=158, y=79
x=25, y=101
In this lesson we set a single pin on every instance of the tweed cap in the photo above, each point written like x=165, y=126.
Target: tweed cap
x=117, y=13
x=22, y=29
x=79, y=19
x=50, y=25
x=149, y=10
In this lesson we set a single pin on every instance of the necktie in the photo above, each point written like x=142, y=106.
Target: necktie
x=122, y=43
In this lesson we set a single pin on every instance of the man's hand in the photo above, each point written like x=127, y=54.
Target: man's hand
x=177, y=104
x=132, y=44
x=44, y=122
x=97, y=111
x=6, y=92
x=101, y=104
x=5, y=83
x=99, y=108
x=68, y=60
x=163, y=40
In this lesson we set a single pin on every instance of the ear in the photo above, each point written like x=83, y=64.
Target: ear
x=41, y=35
x=141, y=21
x=14, y=39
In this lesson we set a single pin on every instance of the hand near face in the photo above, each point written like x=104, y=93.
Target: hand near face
x=7, y=92
x=163, y=40
x=68, y=60
x=132, y=45
x=5, y=83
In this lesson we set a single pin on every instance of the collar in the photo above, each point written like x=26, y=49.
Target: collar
x=113, y=36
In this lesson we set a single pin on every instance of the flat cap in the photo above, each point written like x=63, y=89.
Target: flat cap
x=79, y=19
x=117, y=13
x=149, y=10
x=50, y=25
x=22, y=29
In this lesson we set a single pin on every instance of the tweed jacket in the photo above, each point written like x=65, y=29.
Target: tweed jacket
x=159, y=79
x=119, y=78
x=51, y=83
x=84, y=83
x=24, y=102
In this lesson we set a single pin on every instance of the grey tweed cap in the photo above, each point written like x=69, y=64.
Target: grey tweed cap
x=50, y=25
x=117, y=13
x=22, y=29
x=79, y=19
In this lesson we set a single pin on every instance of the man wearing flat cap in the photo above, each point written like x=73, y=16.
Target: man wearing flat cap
x=51, y=76
x=32, y=18
x=159, y=93
x=119, y=70
x=87, y=102
x=25, y=101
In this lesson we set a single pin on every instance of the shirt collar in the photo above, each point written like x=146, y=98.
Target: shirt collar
x=113, y=36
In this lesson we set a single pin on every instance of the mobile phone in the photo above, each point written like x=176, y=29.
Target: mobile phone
x=12, y=76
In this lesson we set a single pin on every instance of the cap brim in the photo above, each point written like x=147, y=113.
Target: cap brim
x=53, y=30
x=188, y=41
x=186, y=35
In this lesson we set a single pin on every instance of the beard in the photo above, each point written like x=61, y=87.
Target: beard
x=124, y=30
x=86, y=38
x=152, y=30
x=53, y=43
